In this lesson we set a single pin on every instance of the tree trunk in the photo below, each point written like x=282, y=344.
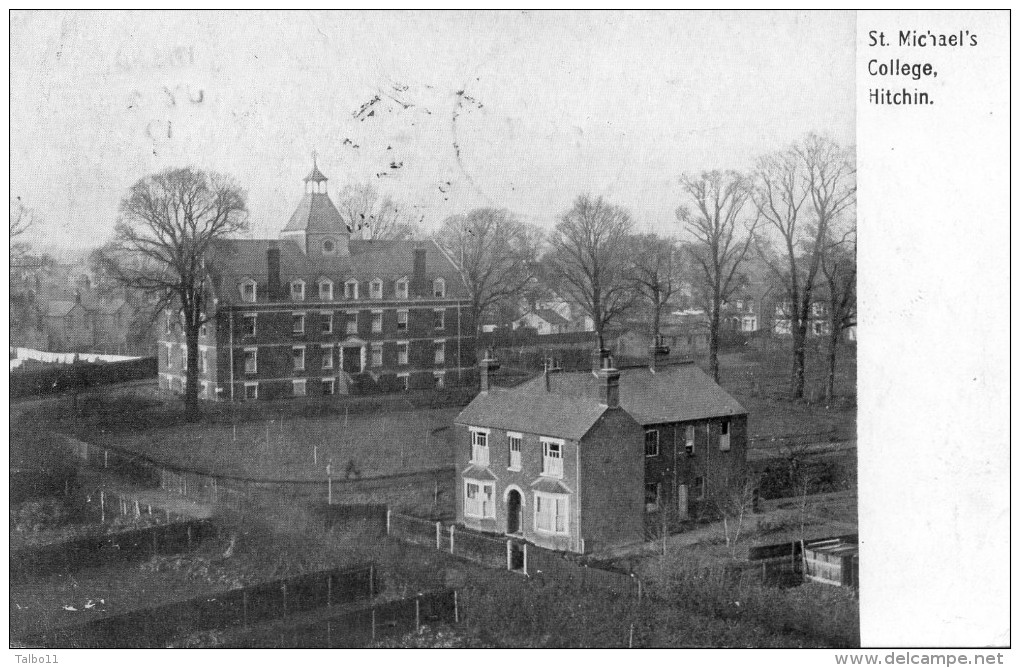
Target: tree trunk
x=713, y=343
x=799, y=344
x=191, y=375
x=830, y=383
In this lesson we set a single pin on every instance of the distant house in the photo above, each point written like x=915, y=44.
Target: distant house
x=740, y=314
x=577, y=319
x=544, y=321
x=576, y=460
x=818, y=319
x=69, y=325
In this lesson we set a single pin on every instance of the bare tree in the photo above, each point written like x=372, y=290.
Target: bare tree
x=736, y=504
x=167, y=223
x=22, y=219
x=839, y=268
x=590, y=259
x=721, y=243
x=495, y=253
x=799, y=193
x=375, y=216
x=656, y=269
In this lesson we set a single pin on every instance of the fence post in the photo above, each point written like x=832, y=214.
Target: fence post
x=456, y=609
x=452, y=529
x=138, y=510
x=102, y=506
x=509, y=559
x=329, y=590
x=439, y=535
x=106, y=459
x=371, y=587
x=417, y=613
x=638, y=589
x=525, y=558
x=373, y=623
x=329, y=634
x=189, y=536
x=388, y=511
x=283, y=588
x=244, y=606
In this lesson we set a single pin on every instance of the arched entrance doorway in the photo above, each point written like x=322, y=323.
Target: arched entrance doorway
x=513, y=511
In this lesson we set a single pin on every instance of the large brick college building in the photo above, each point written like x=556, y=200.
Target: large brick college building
x=319, y=312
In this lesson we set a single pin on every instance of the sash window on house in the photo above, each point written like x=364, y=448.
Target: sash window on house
x=724, y=435
x=480, y=448
x=551, y=513
x=552, y=458
x=478, y=501
x=514, y=441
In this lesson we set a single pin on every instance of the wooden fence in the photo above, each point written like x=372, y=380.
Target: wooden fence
x=358, y=628
x=511, y=554
x=260, y=603
x=133, y=545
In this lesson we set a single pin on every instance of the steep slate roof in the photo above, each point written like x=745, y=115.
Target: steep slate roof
x=234, y=260
x=673, y=393
x=546, y=414
x=316, y=213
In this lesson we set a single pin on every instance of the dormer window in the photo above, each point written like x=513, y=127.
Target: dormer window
x=326, y=290
x=375, y=289
x=248, y=291
x=351, y=289
x=439, y=288
x=402, y=288
x=297, y=291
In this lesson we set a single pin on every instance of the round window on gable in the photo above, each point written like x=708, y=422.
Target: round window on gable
x=328, y=246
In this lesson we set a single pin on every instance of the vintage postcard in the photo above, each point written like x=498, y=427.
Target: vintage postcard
x=517, y=329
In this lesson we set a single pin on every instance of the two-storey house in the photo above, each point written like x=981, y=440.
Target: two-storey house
x=631, y=441
x=318, y=313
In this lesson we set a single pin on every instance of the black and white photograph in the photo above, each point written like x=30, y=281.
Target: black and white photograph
x=509, y=330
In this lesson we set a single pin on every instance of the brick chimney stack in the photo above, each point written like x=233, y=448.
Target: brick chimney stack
x=658, y=354
x=486, y=367
x=609, y=384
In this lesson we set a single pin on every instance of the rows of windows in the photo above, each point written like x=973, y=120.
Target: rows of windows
x=327, y=385
x=652, y=439
x=298, y=292
x=249, y=322
x=327, y=357
x=552, y=511
x=552, y=451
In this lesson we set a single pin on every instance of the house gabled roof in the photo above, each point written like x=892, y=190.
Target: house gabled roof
x=542, y=413
x=551, y=316
x=59, y=308
x=672, y=393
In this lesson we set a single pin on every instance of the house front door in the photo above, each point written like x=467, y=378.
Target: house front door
x=513, y=512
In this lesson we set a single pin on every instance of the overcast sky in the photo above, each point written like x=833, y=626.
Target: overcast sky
x=516, y=110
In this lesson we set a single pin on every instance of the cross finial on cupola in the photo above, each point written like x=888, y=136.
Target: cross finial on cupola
x=315, y=181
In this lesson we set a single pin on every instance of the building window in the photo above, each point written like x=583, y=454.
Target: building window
x=300, y=388
x=652, y=443
x=689, y=439
x=480, y=447
x=404, y=380
x=440, y=378
x=750, y=306
x=401, y=321
x=326, y=290
x=724, y=435
x=818, y=328
x=248, y=291
x=299, y=358
x=514, y=443
x=352, y=322
x=298, y=323
x=551, y=513
x=699, y=487
x=251, y=391
x=402, y=289
x=203, y=329
x=351, y=289
x=402, y=352
x=297, y=291
x=248, y=325
x=552, y=458
x=653, y=490
x=376, y=322
x=169, y=356
x=478, y=501
x=327, y=357
x=251, y=362
x=376, y=354
x=328, y=387
x=439, y=288
x=327, y=322
x=205, y=390
x=328, y=248
x=439, y=318
x=202, y=361
x=375, y=289
x=439, y=352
